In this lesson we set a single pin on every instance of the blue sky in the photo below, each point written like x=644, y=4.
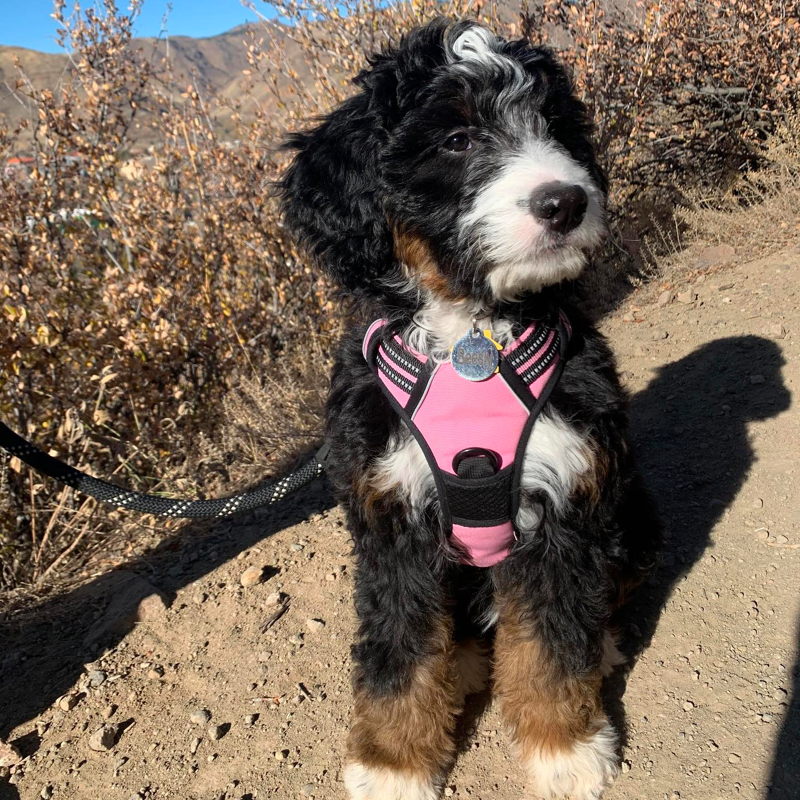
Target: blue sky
x=29, y=23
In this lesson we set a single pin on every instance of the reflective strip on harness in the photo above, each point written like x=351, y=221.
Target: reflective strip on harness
x=448, y=414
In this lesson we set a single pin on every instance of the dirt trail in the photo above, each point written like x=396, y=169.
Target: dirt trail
x=707, y=707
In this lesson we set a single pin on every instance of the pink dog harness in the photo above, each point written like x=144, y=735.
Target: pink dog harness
x=473, y=433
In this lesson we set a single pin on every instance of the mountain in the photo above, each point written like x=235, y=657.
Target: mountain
x=214, y=64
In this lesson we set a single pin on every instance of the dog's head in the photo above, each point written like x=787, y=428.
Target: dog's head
x=462, y=169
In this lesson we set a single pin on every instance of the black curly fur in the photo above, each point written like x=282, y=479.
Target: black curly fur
x=373, y=167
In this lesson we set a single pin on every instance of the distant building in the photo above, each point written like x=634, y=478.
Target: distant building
x=18, y=167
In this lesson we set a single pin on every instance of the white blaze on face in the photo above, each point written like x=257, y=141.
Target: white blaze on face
x=505, y=231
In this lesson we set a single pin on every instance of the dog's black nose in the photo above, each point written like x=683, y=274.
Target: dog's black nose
x=560, y=206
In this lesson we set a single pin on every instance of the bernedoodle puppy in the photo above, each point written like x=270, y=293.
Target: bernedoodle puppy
x=477, y=426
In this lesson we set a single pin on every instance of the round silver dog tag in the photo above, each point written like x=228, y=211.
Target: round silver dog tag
x=474, y=356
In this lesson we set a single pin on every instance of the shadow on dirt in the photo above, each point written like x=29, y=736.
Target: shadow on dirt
x=44, y=649
x=690, y=428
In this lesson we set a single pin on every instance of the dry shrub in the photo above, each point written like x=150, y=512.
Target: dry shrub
x=758, y=214
x=138, y=288
x=155, y=322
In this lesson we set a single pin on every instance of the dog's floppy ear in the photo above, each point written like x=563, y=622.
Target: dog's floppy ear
x=332, y=191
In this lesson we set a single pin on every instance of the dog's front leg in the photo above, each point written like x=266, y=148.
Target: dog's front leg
x=552, y=708
x=405, y=684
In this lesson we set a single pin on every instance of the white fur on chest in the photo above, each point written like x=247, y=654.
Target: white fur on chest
x=556, y=457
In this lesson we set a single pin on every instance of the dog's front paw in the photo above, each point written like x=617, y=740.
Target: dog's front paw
x=380, y=783
x=583, y=772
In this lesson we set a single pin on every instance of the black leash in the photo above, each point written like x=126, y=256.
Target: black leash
x=265, y=494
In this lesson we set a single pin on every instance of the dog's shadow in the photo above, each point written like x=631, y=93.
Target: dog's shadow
x=690, y=429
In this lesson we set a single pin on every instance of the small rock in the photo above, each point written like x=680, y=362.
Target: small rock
x=250, y=720
x=298, y=547
x=274, y=599
x=69, y=701
x=46, y=793
x=252, y=576
x=657, y=336
x=264, y=656
x=686, y=297
x=758, y=503
x=781, y=539
x=200, y=716
x=97, y=677
x=774, y=330
x=200, y=598
x=734, y=758
x=688, y=705
x=155, y=673
x=626, y=766
x=281, y=755
x=762, y=534
x=41, y=727
x=151, y=608
x=308, y=790
x=315, y=625
x=296, y=639
x=757, y=379
x=104, y=738
x=9, y=755
x=721, y=254
x=331, y=576
x=449, y=791
x=194, y=745
x=675, y=796
x=109, y=710
x=120, y=763
x=216, y=732
x=665, y=298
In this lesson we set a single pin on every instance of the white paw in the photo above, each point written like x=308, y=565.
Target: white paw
x=611, y=655
x=582, y=773
x=380, y=783
x=472, y=663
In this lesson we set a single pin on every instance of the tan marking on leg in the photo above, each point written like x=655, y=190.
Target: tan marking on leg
x=375, y=501
x=399, y=746
x=556, y=720
x=591, y=482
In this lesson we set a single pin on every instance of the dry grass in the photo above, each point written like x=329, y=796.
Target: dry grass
x=761, y=210
x=758, y=214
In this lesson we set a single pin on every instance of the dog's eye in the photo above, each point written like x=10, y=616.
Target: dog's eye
x=458, y=143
